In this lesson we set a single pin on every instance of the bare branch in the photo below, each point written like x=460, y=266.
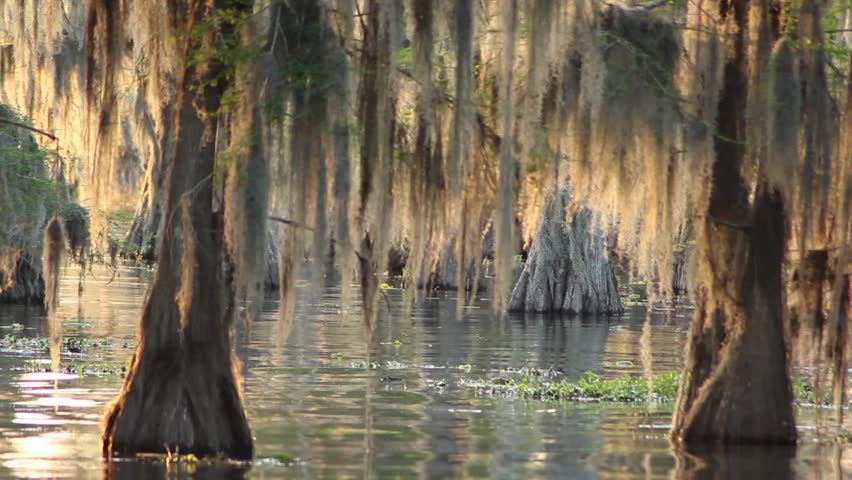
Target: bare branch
x=309, y=228
x=32, y=129
x=653, y=4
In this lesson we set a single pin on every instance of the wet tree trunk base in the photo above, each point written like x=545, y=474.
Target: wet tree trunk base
x=443, y=276
x=180, y=399
x=21, y=278
x=737, y=388
x=567, y=269
x=181, y=393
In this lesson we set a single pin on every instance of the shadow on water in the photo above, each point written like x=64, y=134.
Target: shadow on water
x=323, y=402
x=132, y=470
x=743, y=461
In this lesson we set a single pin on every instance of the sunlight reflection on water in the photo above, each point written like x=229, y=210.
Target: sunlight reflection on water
x=310, y=396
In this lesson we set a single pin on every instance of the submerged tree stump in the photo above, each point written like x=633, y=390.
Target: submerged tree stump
x=21, y=278
x=444, y=274
x=737, y=388
x=567, y=269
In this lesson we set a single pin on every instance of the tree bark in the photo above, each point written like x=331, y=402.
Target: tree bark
x=21, y=278
x=567, y=269
x=736, y=387
x=181, y=392
x=444, y=274
x=147, y=221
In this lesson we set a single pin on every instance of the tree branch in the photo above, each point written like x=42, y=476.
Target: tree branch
x=309, y=228
x=653, y=4
x=27, y=127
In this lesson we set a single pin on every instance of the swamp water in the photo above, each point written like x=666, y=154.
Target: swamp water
x=318, y=410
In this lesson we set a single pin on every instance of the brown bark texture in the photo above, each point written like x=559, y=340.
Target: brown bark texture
x=20, y=278
x=181, y=393
x=736, y=387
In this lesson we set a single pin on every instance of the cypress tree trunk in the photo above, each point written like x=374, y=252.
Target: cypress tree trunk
x=737, y=385
x=567, y=269
x=181, y=393
x=21, y=278
x=444, y=274
x=147, y=220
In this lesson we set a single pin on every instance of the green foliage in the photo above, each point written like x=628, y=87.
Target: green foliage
x=119, y=222
x=80, y=368
x=27, y=192
x=227, y=52
x=406, y=57
x=835, y=49
x=123, y=248
x=120, y=217
x=184, y=464
x=543, y=385
x=20, y=344
x=306, y=68
x=809, y=394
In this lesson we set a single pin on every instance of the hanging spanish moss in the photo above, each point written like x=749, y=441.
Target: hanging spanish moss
x=247, y=184
x=541, y=19
x=464, y=88
x=504, y=221
x=785, y=110
x=103, y=56
x=425, y=174
x=811, y=195
x=815, y=169
x=538, y=155
x=841, y=291
x=299, y=84
x=460, y=158
x=342, y=116
x=632, y=119
x=377, y=115
x=54, y=244
x=819, y=199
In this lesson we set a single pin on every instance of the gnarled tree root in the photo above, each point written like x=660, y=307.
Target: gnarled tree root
x=567, y=269
x=179, y=400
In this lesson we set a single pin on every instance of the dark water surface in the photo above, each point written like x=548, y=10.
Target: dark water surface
x=310, y=399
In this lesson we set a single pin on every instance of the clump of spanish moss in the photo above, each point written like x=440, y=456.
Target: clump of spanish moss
x=247, y=184
x=28, y=195
x=504, y=221
x=630, y=167
x=301, y=79
x=342, y=117
x=786, y=113
x=377, y=115
x=103, y=49
x=54, y=245
x=75, y=219
x=422, y=203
